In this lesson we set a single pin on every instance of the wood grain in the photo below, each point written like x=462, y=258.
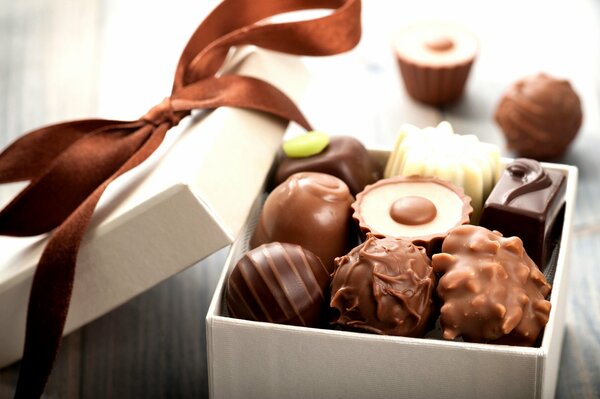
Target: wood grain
x=67, y=59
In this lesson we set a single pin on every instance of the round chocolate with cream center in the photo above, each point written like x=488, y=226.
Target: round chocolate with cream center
x=421, y=209
x=413, y=210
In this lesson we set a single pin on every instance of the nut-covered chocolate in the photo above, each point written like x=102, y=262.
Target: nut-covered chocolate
x=384, y=286
x=278, y=283
x=312, y=210
x=420, y=209
x=539, y=116
x=491, y=290
x=345, y=157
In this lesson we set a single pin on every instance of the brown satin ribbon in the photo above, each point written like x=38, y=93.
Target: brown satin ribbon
x=70, y=164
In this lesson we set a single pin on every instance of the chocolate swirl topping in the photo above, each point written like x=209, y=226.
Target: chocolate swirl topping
x=532, y=176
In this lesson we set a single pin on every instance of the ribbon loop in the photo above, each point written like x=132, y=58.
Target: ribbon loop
x=205, y=53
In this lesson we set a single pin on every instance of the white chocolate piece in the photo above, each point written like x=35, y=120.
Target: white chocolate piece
x=460, y=159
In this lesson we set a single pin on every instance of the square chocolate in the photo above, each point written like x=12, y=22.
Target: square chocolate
x=525, y=203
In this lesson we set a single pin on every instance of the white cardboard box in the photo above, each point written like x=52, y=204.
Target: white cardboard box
x=165, y=215
x=261, y=360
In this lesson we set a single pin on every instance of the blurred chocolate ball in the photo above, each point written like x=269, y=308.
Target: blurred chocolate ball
x=539, y=116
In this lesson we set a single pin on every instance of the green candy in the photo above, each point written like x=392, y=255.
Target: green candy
x=306, y=145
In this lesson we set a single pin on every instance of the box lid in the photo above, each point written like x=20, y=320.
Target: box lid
x=189, y=199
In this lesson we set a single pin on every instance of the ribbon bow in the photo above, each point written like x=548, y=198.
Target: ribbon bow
x=70, y=164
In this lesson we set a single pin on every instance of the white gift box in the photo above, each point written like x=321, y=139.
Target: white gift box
x=188, y=200
x=261, y=360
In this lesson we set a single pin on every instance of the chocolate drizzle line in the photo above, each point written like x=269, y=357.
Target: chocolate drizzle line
x=70, y=164
x=532, y=175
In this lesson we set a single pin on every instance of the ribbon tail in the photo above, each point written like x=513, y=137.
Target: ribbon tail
x=73, y=174
x=53, y=283
x=31, y=154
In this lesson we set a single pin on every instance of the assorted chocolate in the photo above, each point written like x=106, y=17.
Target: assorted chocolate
x=490, y=289
x=345, y=157
x=278, y=283
x=525, y=202
x=308, y=265
x=419, y=209
x=403, y=254
x=539, y=116
x=435, y=60
x=384, y=286
x=309, y=209
x=460, y=159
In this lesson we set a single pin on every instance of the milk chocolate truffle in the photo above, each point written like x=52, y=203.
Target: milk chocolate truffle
x=278, y=283
x=539, y=116
x=491, y=290
x=435, y=60
x=526, y=202
x=312, y=210
x=420, y=209
x=345, y=157
x=384, y=286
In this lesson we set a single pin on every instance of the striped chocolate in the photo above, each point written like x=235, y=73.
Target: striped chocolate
x=278, y=283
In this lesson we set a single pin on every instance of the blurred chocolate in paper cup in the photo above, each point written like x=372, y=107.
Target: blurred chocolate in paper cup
x=435, y=59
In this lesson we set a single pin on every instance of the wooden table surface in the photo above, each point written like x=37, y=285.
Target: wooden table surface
x=68, y=59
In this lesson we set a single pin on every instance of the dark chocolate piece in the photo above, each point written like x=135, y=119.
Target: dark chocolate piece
x=278, y=283
x=525, y=203
x=312, y=210
x=345, y=157
x=539, y=116
x=384, y=286
x=491, y=290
